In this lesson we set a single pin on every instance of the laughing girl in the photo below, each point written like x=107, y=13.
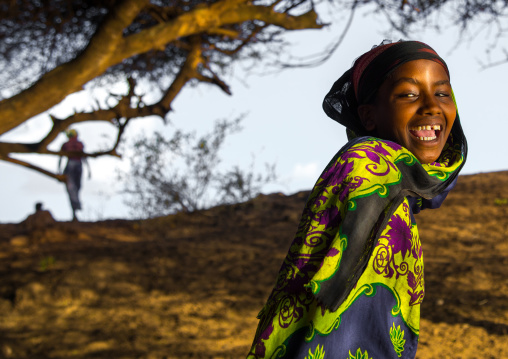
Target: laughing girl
x=352, y=282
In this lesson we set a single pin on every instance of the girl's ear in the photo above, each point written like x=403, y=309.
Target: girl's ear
x=366, y=114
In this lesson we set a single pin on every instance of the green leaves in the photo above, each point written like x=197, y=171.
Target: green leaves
x=319, y=353
x=359, y=355
x=397, y=338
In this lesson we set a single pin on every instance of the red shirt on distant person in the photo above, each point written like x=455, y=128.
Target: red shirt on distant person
x=73, y=145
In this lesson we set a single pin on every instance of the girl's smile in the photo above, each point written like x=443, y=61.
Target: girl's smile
x=426, y=132
x=413, y=107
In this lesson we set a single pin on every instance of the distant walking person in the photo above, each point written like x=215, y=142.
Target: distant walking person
x=73, y=170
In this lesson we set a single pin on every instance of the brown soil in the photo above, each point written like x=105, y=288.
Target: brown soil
x=190, y=286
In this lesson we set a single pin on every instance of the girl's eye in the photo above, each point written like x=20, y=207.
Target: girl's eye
x=443, y=94
x=408, y=95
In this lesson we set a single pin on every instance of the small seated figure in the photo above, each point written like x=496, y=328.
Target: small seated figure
x=40, y=219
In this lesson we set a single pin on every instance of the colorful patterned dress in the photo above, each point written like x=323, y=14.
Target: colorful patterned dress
x=352, y=282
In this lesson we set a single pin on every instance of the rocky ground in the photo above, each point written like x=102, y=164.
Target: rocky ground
x=190, y=286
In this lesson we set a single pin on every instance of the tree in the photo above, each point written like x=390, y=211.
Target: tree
x=182, y=174
x=166, y=44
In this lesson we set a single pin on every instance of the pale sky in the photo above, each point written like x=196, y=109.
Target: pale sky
x=284, y=124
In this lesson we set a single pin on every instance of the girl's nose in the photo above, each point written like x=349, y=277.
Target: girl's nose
x=430, y=104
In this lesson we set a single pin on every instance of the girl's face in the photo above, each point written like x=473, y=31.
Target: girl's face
x=414, y=108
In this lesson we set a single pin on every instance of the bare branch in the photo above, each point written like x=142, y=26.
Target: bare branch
x=61, y=178
x=320, y=58
x=244, y=43
x=214, y=80
x=495, y=63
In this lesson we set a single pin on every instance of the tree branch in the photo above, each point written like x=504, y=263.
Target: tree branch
x=224, y=32
x=490, y=65
x=61, y=178
x=245, y=42
x=200, y=20
x=186, y=73
x=320, y=58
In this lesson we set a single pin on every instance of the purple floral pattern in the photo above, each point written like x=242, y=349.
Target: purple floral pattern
x=400, y=238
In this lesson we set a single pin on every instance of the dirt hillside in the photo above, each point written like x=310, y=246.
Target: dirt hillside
x=190, y=286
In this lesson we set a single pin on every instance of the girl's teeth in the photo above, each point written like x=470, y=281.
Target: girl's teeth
x=426, y=127
x=427, y=138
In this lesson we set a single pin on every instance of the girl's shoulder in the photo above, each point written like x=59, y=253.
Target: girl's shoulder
x=366, y=165
x=373, y=153
x=371, y=148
